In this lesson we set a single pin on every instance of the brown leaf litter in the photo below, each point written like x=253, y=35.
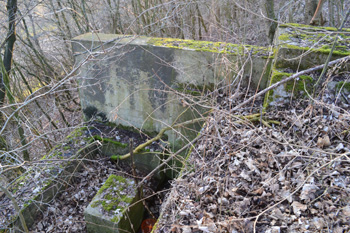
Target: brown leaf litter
x=248, y=177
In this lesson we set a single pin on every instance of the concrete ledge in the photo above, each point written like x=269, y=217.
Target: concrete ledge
x=301, y=47
x=145, y=161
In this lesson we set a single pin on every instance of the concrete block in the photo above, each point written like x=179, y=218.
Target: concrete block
x=146, y=161
x=115, y=208
x=301, y=47
x=143, y=82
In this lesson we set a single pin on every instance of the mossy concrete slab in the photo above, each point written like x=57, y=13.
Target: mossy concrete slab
x=297, y=88
x=301, y=47
x=115, y=208
x=52, y=180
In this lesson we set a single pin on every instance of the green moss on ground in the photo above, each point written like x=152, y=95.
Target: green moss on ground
x=343, y=85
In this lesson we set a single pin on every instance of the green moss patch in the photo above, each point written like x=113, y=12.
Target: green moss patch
x=116, y=194
x=209, y=46
x=316, y=39
x=310, y=27
x=109, y=140
x=294, y=87
x=115, y=206
x=343, y=86
x=298, y=85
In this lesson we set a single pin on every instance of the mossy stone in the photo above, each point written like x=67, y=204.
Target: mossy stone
x=115, y=207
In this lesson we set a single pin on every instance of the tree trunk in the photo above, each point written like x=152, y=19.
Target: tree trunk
x=317, y=17
x=6, y=68
x=7, y=60
x=271, y=24
x=10, y=41
x=310, y=8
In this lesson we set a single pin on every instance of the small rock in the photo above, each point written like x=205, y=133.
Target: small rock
x=186, y=229
x=40, y=226
x=223, y=201
x=318, y=222
x=339, y=147
x=183, y=213
x=275, y=229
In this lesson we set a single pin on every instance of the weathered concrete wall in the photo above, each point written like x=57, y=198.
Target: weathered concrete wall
x=300, y=47
x=141, y=81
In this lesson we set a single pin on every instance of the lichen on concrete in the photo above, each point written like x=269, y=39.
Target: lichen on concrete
x=118, y=194
x=115, y=207
x=297, y=88
x=310, y=27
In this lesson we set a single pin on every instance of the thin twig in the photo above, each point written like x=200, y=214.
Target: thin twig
x=21, y=218
x=158, y=137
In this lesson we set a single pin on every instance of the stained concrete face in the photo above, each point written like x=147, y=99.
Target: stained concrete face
x=133, y=82
x=144, y=162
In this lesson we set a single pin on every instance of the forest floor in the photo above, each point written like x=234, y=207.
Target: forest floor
x=289, y=175
x=284, y=171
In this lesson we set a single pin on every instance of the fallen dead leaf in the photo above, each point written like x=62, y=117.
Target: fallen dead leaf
x=323, y=141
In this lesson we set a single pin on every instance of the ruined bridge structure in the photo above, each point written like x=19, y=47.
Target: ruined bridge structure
x=149, y=84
